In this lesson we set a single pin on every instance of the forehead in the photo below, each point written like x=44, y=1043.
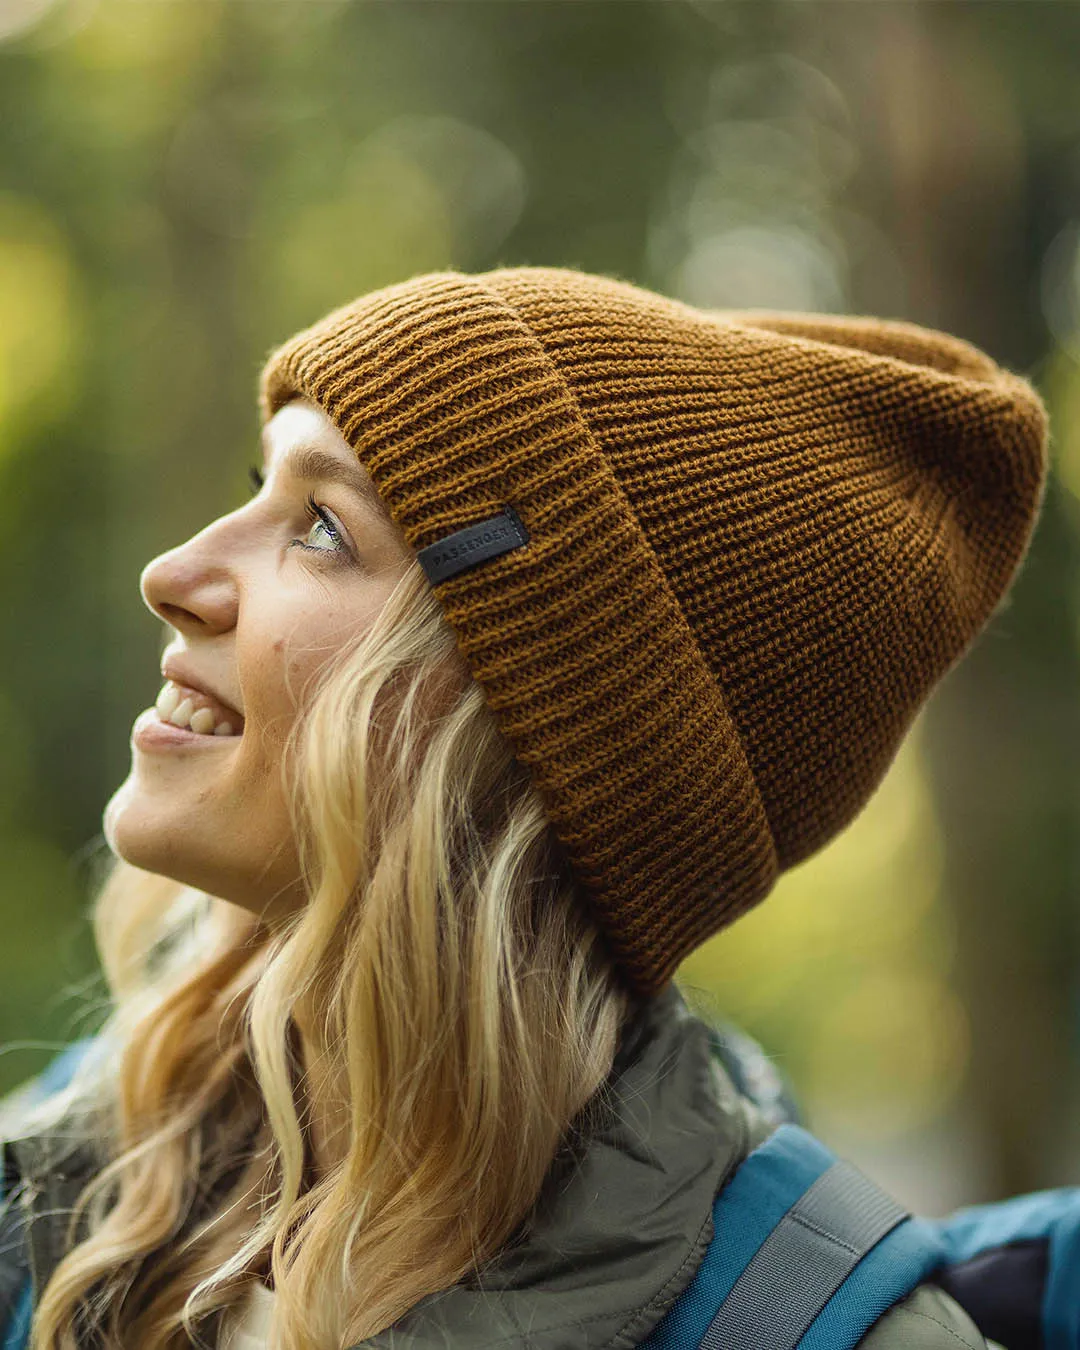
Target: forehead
x=301, y=423
x=301, y=441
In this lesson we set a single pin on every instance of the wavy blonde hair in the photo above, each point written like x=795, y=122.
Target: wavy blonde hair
x=459, y=1012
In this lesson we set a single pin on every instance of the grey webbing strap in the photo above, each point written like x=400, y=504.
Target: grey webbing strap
x=803, y=1261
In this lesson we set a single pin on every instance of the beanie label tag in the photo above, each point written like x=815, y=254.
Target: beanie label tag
x=474, y=544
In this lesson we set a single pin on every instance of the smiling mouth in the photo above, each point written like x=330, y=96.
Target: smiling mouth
x=192, y=710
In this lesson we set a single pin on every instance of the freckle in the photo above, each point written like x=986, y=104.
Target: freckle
x=279, y=644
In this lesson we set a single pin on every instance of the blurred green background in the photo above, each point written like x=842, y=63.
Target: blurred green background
x=183, y=184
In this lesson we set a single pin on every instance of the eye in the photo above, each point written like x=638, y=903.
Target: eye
x=324, y=535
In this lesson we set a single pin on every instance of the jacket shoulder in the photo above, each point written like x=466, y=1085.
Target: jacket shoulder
x=928, y=1319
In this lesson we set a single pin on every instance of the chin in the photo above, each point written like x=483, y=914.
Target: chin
x=112, y=822
x=140, y=831
x=136, y=833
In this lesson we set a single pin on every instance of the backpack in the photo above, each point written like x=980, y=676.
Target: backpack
x=808, y=1253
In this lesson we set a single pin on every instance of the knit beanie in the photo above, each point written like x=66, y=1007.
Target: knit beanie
x=705, y=566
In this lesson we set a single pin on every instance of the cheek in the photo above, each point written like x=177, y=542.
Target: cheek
x=275, y=681
x=284, y=648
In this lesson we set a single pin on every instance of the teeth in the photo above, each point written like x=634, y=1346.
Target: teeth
x=167, y=701
x=181, y=716
x=202, y=721
x=176, y=706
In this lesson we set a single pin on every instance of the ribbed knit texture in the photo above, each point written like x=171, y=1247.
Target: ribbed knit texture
x=756, y=542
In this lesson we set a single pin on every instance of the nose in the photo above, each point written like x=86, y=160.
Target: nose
x=192, y=587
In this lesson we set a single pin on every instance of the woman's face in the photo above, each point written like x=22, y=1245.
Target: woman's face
x=258, y=603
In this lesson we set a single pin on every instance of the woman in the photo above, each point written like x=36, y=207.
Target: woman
x=564, y=617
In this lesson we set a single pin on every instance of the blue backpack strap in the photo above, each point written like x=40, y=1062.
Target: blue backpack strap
x=1015, y=1268
x=807, y=1254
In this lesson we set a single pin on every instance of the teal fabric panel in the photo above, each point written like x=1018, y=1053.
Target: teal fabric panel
x=1061, y=1308
x=977, y=1229
x=1054, y=1215
x=17, y=1331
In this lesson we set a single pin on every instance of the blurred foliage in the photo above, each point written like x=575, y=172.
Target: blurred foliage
x=185, y=182
x=847, y=968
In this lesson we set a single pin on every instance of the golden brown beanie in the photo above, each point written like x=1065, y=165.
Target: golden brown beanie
x=705, y=566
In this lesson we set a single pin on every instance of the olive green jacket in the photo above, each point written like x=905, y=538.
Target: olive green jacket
x=622, y=1224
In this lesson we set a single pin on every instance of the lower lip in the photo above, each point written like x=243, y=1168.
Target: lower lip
x=151, y=733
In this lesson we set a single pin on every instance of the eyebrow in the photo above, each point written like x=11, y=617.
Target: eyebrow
x=307, y=462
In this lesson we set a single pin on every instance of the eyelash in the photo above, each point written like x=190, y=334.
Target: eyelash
x=315, y=512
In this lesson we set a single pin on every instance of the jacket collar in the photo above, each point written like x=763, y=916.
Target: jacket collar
x=620, y=1231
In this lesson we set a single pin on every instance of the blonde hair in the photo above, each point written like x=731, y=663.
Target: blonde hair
x=459, y=1011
